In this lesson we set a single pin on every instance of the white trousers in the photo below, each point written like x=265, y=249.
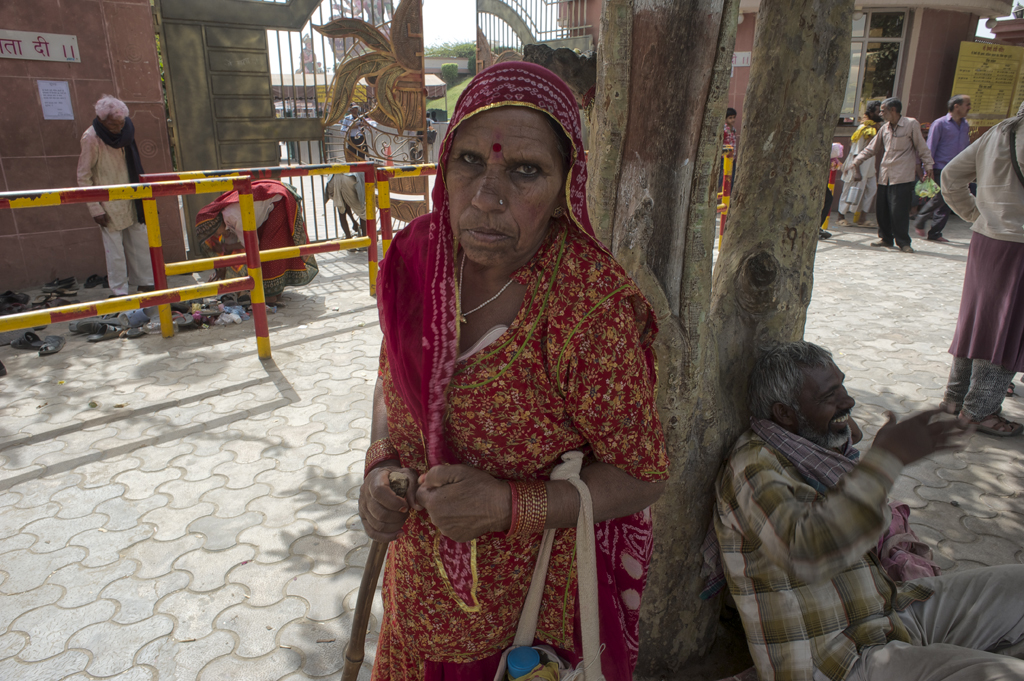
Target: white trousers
x=127, y=252
x=971, y=629
x=870, y=187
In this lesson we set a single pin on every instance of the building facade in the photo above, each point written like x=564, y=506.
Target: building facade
x=907, y=51
x=118, y=56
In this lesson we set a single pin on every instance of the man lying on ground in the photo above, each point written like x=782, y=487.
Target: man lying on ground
x=798, y=522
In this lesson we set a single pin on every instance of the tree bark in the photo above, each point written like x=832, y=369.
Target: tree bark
x=763, y=278
x=662, y=83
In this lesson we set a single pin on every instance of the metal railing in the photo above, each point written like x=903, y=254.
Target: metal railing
x=376, y=181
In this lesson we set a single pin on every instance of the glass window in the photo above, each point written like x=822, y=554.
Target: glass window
x=886, y=25
x=850, y=100
x=875, y=54
x=879, y=71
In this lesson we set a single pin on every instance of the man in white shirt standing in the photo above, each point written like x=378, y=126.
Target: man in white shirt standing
x=901, y=145
x=110, y=156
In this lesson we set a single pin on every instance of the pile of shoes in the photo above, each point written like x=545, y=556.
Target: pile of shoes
x=56, y=293
x=108, y=327
x=230, y=308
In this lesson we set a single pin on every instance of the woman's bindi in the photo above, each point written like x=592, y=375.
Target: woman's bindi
x=496, y=148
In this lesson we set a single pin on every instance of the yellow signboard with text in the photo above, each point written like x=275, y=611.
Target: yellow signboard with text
x=993, y=77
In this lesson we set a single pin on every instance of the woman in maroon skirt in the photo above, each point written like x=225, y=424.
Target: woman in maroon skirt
x=988, y=346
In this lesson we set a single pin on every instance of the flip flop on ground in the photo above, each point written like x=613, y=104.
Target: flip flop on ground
x=51, y=345
x=28, y=341
x=109, y=332
x=69, y=283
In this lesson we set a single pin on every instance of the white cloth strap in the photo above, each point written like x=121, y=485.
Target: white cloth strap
x=586, y=565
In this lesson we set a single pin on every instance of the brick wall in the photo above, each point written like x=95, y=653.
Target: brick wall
x=119, y=57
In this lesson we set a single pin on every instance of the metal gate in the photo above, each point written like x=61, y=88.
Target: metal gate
x=247, y=82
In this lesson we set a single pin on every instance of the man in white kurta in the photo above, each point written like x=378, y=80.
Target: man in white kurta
x=125, y=243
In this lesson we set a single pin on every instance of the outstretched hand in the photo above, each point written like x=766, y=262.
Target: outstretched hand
x=918, y=436
x=464, y=502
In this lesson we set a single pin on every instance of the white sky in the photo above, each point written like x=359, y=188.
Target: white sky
x=449, y=20
x=984, y=32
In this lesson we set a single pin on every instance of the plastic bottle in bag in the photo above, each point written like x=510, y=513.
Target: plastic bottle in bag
x=521, y=661
x=527, y=664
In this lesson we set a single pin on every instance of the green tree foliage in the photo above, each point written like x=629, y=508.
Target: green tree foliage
x=452, y=50
x=450, y=74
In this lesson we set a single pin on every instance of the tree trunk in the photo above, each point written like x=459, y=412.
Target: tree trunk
x=764, y=273
x=655, y=143
x=657, y=126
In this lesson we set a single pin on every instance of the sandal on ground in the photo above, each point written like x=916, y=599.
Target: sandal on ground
x=996, y=420
x=51, y=345
x=136, y=332
x=69, y=283
x=51, y=302
x=94, y=280
x=843, y=222
x=89, y=327
x=109, y=332
x=1009, y=390
x=13, y=297
x=28, y=341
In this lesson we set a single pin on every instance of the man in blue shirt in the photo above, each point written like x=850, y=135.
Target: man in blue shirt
x=947, y=137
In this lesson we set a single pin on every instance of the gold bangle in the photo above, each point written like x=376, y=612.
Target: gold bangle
x=529, y=508
x=381, y=450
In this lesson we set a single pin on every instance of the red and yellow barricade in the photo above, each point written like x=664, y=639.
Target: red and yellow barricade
x=384, y=176
x=834, y=165
x=268, y=173
x=147, y=192
x=724, y=196
x=154, y=185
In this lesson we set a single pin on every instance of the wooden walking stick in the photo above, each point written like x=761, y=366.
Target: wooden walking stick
x=399, y=483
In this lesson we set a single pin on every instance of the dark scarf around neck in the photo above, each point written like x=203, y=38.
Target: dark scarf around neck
x=125, y=140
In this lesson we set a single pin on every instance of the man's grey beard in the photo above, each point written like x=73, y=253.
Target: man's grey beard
x=827, y=439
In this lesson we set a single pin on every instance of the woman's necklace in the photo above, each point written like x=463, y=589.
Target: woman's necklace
x=462, y=272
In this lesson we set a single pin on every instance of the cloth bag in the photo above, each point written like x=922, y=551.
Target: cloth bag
x=586, y=564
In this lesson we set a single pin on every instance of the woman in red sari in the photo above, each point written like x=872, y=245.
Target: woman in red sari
x=279, y=224
x=510, y=336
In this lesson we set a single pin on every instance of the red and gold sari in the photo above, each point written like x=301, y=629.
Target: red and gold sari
x=284, y=227
x=575, y=370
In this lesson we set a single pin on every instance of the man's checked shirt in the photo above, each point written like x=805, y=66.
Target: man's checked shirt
x=801, y=565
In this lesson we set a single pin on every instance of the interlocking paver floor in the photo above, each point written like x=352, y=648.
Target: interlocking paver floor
x=200, y=521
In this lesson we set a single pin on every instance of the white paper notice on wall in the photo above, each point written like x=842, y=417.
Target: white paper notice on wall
x=38, y=46
x=55, y=97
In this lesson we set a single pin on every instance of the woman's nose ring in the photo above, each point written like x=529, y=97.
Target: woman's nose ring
x=501, y=202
